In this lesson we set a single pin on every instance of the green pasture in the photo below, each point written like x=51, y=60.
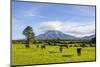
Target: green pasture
x=34, y=55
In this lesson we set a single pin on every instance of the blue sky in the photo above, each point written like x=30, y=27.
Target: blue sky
x=75, y=20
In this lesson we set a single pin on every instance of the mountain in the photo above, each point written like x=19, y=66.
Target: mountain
x=53, y=34
x=89, y=37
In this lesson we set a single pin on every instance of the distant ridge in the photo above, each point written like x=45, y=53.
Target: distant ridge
x=54, y=34
x=89, y=37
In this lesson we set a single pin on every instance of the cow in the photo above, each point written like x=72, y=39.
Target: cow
x=43, y=47
x=37, y=46
x=60, y=49
x=79, y=51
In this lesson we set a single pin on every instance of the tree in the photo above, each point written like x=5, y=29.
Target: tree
x=29, y=34
x=93, y=40
x=83, y=45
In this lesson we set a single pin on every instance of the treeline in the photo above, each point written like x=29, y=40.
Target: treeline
x=18, y=41
x=54, y=41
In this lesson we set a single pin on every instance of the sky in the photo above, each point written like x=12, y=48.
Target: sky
x=76, y=20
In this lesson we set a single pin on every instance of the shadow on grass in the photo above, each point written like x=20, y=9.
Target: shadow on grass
x=67, y=55
x=52, y=52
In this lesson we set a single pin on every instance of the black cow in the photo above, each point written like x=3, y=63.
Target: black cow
x=60, y=49
x=79, y=51
x=37, y=46
x=43, y=47
x=49, y=43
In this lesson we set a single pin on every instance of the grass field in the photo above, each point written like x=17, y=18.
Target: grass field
x=34, y=55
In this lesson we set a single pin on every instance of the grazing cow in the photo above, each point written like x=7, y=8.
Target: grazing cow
x=49, y=43
x=60, y=49
x=79, y=51
x=37, y=46
x=43, y=47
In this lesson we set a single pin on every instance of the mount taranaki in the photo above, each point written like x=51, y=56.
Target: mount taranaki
x=53, y=34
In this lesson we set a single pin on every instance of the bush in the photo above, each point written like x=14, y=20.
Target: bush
x=76, y=45
x=83, y=45
x=92, y=45
x=70, y=45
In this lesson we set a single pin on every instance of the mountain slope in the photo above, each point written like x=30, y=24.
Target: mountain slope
x=53, y=34
x=89, y=37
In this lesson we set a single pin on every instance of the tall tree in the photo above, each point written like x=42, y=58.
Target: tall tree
x=29, y=34
x=93, y=40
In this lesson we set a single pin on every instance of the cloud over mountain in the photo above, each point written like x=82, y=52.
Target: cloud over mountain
x=73, y=28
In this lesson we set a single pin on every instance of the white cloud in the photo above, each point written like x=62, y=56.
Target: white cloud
x=82, y=30
x=72, y=28
x=51, y=25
